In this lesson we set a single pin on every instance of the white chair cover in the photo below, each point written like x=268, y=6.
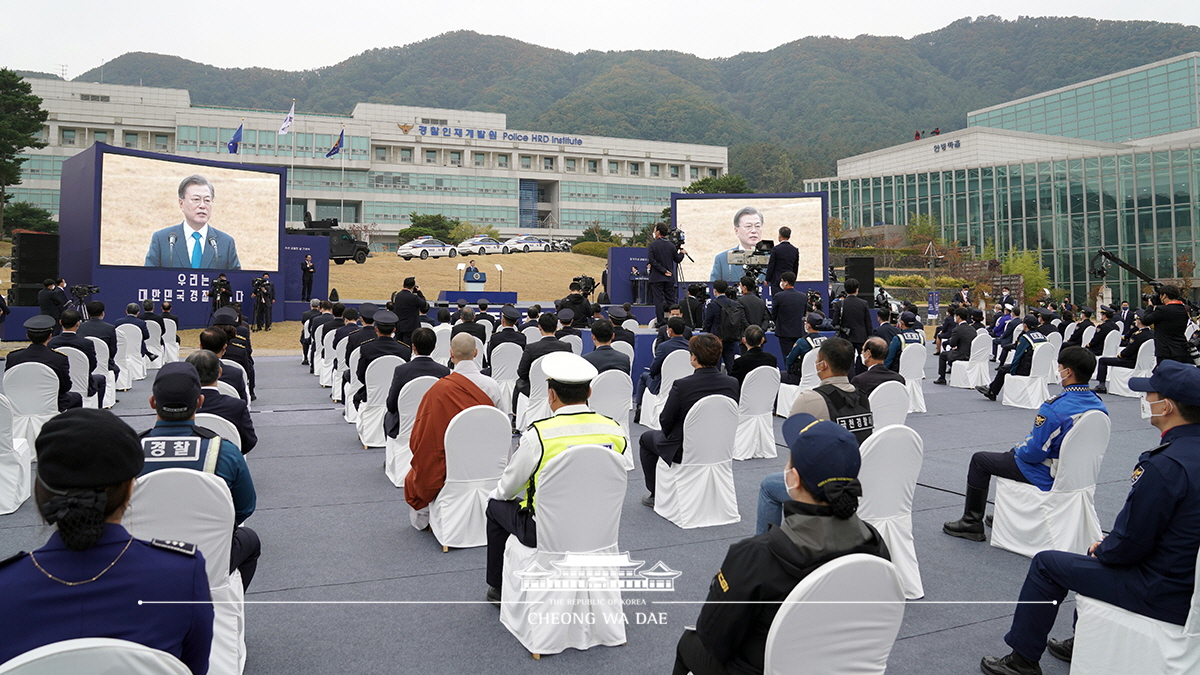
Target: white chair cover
x=1015, y=336
x=629, y=324
x=698, y=492
x=170, y=345
x=155, y=344
x=575, y=341
x=1055, y=339
x=196, y=507
x=626, y=349
x=1028, y=520
x=579, y=503
x=110, y=380
x=81, y=374
x=677, y=364
x=1109, y=639
x=808, y=380
x=397, y=454
x=505, y=359
x=133, y=366
x=325, y=364
x=974, y=372
x=827, y=626
x=480, y=352
x=220, y=426
x=612, y=396
x=441, y=352
x=912, y=367
x=229, y=364
x=1120, y=326
x=1112, y=344
x=477, y=444
x=350, y=413
x=755, y=436
x=1056, y=323
x=1089, y=331
x=15, y=475
x=1051, y=362
x=889, y=404
x=95, y=656
x=891, y=461
x=340, y=366
x=1118, y=378
x=536, y=406
x=1030, y=391
x=531, y=333
x=372, y=410
x=653, y=323
x=1069, y=331
x=487, y=330
x=32, y=390
x=228, y=389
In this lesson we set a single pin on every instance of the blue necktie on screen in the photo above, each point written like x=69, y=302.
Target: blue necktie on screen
x=197, y=250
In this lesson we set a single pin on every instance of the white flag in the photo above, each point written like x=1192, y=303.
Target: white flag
x=287, y=121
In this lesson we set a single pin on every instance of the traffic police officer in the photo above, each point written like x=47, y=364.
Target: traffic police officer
x=38, y=329
x=1022, y=359
x=86, y=462
x=238, y=348
x=1147, y=563
x=512, y=505
x=909, y=335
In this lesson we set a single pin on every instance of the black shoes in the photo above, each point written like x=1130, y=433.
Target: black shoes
x=1013, y=664
x=648, y=500
x=986, y=392
x=493, y=595
x=1100, y=389
x=940, y=380
x=970, y=526
x=1061, y=649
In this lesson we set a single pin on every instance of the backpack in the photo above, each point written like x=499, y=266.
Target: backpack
x=733, y=322
x=851, y=409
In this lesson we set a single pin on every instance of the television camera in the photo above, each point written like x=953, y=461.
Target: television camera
x=586, y=284
x=754, y=262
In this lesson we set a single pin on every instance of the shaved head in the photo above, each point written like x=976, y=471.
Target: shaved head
x=462, y=347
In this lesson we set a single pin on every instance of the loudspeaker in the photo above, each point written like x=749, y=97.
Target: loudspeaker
x=862, y=269
x=24, y=295
x=34, y=259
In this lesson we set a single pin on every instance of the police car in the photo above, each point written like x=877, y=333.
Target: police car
x=425, y=247
x=480, y=245
x=526, y=243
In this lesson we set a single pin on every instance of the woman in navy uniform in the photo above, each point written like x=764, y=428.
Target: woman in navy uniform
x=88, y=579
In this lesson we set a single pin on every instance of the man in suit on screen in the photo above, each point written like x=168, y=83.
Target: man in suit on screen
x=194, y=243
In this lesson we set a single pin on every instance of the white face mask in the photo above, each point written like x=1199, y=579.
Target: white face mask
x=1062, y=379
x=1148, y=408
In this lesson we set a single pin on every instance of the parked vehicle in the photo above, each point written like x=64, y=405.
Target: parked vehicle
x=526, y=243
x=343, y=244
x=424, y=248
x=480, y=246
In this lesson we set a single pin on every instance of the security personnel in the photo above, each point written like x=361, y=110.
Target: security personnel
x=909, y=335
x=1126, y=358
x=88, y=579
x=382, y=344
x=1022, y=359
x=512, y=505
x=1147, y=563
x=39, y=329
x=238, y=348
x=175, y=399
x=812, y=340
x=1034, y=459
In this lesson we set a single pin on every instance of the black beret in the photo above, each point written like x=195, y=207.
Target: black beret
x=87, y=448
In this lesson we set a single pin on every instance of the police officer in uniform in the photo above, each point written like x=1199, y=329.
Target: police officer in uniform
x=1022, y=359
x=39, y=329
x=1147, y=563
x=512, y=505
x=382, y=344
x=238, y=348
x=909, y=335
x=1126, y=358
x=88, y=578
x=812, y=340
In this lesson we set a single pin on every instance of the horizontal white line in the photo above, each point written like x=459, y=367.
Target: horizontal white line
x=650, y=602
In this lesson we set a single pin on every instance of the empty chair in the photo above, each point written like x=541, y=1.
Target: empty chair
x=677, y=364
x=912, y=368
x=755, y=435
x=536, y=406
x=477, y=443
x=808, y=380
x=1118, y=378
x=505, y=359
x=975, y=372
x=891, y=461
x=698, y=492
x=398, y=455
x=95, y=655
x=154, y=344
x=81, y=375
x=626, y=349
x=372, y=410
x=15, y=478
x=612, y=396
x=1030, y=391
x=889, y=404
x=1028, y=520
x=575, y=341
x=441, y=352
x=133, y=366
x=110, y=380
x=1055, y=339
x=170, y=344
x=220, y=426
x=32, y=389
x=630, y=324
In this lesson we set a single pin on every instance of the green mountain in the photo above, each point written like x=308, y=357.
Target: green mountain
x=786, y=114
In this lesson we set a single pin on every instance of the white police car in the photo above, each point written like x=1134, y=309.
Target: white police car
x=481, y=246
x=425, y=247
x=526, y=243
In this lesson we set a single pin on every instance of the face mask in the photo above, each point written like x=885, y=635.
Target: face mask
x=1148, y=408
x=788, y=485
x=1062, y=379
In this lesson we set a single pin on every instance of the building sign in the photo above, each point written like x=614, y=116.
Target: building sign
x=491, y=134
x=948, y=145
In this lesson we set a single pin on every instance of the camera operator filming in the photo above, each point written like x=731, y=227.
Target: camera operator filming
x=664, y=254
x=264, y=298
x=220, y=292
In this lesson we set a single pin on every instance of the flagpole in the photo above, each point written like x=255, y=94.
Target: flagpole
x=240, y=153
x=292, y=168
x=342, y=182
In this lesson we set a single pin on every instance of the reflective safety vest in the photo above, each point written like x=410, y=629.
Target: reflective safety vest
x=198, y=450
x=561, y=432
x=909, y=336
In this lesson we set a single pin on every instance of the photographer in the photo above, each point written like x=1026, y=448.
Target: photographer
x=664, y=256
x=264, y=297
x=577, y=302
x=408, y=304
x=1169, y=317
x=220, y=292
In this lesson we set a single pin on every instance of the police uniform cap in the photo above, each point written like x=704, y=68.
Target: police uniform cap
x=386, y=318
x=176, y=387
x=823, y=452
x=568, y=368
x=1008, y=307
x=461, y=303
x=225, y=317
x=976, y=313
x=815, y=319
x=1177, y=381
x=617, y=313
x=511, y=313
x=367, y=310
x=87, y=448
x=566, y=315
x=908, y=318
x=40, y=322
x=1030, y=320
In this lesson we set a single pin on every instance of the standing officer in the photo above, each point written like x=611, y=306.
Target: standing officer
x=50, y=301
x=784, y=258
x=1169, y=317
x=663, y=258
x=307, y=269
x=38, y=329
x=788, y=309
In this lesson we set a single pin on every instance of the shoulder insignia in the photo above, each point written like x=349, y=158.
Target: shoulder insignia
x=1137, y=473
x=174, y=546
x=1039, y=420
x=721, y=580
x=371, y=339
x=13, y=558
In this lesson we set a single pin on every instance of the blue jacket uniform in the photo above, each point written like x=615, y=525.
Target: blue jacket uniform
x=231, y=466
x=906, y=337
x=802, y=347
x=36, y=610
x=1054, y=419
x=1022, y=358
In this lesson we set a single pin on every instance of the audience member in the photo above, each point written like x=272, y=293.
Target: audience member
x=874, y=353
x=604, y=357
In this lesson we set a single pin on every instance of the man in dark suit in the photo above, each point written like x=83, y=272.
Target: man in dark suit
x=264, y=301
x=755, y=308
x=96, y=326
x=959, y=346
x=50, y=301
x=1126, y=316
x=1107, y=325
x=148, y=314
x=667, y=443
x=784, y=258
x=1006, y=298
x=470, y=326
x=753, y=355
x=886, y=330
x=875, y=350
x=533, y=312
x=962, y=297
x=508, y=332
x=38, y=330
x=663, y=257
x=483, y=315
x=166, y=314
x=314, y=325
x=676, y=310
x=1126, y=358
x=547, y=324
x=384, y=343
x=307, y=269
x=350, y=327
x=313, y=311
x=856, y=324
x=194, y=242
x=235, y=410
x=131, y=316
x=424, y=340
x=788, y=311
x=216, y=340
x=691, y=308
x=652, y=378
x=408, y=305
x=69, y=338
x=604, y=357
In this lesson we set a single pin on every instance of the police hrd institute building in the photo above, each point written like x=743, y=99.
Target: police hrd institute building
x=396, y=160
x=1110, y=163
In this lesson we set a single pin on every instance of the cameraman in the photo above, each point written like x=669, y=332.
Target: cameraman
x=663, y=257
x=264, y=297
x=220, y=292
x=1169, y=317
x=578, y=303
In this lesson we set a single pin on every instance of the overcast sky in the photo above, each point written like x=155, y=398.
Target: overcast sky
x=50, y=35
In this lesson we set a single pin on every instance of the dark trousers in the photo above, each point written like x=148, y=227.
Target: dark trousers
x=662, y=293
x=999, y=342
x=998, y=381
x=306, y=288
x=944, y=359
x=647, y=450
x=984, y=465
x=262, y=315
x=729, y=353
x=786, y=344
x=100, y=384
x=1103, y=364
x=69, y=400
x=692, y=657
x=243, y=554
x=505, y=518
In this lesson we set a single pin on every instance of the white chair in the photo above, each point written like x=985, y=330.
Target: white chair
x=677, y=364
x=397, y=459
x=652, y=323
x=228, y=389
x=1051, y=362
x=1055, y=338
x=97, y=656
x=755, y=435
x=129, y=346
x=170, y=343
x=32, y=390
x=505, y=359
x=532, y=334
x=1056, y=323
x=891, y=461
x=441, y=351
x=81, y=375
x=349, y=412
x=325, y=362
x=1112, y=344
x=110, y=380
x=975, y=372
x=154, y=345
x=220, y=426
x=1118, y=378
x=477, y=444
x=1089, y=332
x=372, y=410
x=1031, y=391
x=1028, y=520
x=626, y=349
x=698, y=492
x=842, y=618
x=229, y=364
x=487, y=330
x=889, y=404
x=575, y=341
x=579, y=499
x=196, y=507
x=912, y=368
x=1015, y=337
x=630, y=324
x=1120, y=326
x=1070, y=331
x=808, y=380
x=15, y=475
x=480, y=352
x=612, y=396
x=1109, y=639
x=536, y=406
x=340, y=366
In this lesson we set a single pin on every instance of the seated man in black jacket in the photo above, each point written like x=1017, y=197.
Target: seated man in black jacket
x=874, y=353
x=753, y=356
x=822, y=482
x=1126, y=358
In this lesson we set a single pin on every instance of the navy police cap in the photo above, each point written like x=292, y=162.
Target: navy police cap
x=1177, y=381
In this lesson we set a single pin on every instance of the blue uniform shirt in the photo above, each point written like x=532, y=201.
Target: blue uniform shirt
x=908, y=336
x=231, y=466
x=36, y=610
x=1054, y=419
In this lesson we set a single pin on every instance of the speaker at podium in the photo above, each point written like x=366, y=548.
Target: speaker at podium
x=474, y=279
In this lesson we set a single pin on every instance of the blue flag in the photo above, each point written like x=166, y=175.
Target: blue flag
x=233, y=142
x=337, y=146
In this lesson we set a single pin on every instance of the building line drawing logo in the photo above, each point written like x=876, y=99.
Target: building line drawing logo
x=598, y=571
